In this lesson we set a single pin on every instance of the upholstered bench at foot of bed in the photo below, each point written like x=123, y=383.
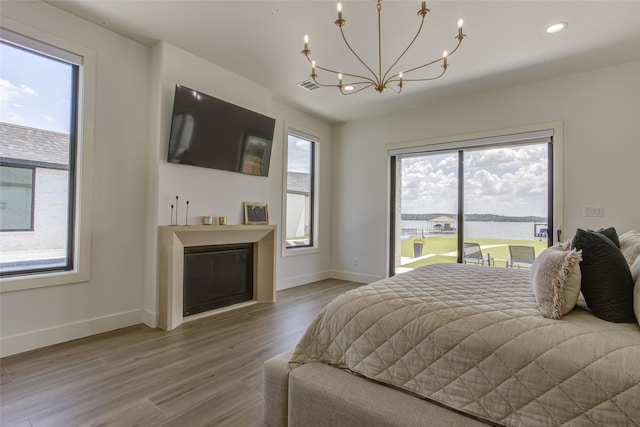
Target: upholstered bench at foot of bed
x=315, y=395
x=276, y=390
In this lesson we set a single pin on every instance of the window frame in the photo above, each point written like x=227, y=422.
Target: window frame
x=314, y=238
x=511, y=136
x=44, y=43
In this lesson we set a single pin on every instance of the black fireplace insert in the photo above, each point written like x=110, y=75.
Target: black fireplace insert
x=217, y=276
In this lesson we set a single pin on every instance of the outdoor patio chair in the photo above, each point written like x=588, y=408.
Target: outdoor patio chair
x=472, y=254
x=521, y=255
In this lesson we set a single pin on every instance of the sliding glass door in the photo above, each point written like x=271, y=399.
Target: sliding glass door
x=486, y=204
x=428, y=205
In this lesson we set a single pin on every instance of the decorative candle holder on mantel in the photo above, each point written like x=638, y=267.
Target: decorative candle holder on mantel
x=173, y=240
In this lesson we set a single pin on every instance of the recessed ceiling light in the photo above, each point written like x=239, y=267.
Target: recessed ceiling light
x=556, y=27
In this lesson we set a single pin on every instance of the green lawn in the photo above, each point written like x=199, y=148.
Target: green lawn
x=442, y=246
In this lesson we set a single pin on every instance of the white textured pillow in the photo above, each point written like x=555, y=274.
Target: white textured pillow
x=630, y=246
x=555, y=279
x=635, y=273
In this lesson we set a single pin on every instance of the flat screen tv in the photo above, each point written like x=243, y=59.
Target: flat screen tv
x=212, y=133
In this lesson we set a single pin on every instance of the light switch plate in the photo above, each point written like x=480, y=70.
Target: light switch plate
x=592, y=211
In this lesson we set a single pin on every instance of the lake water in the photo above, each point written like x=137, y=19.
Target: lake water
x=488, y=229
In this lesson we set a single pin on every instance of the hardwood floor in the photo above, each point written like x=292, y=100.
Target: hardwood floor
x=206, y=372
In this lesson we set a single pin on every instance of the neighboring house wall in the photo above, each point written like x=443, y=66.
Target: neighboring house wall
x=48, y=238
x=298, y=203
x=296, y=209
x=50, y=215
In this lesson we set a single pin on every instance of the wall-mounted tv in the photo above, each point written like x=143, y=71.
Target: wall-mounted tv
x=212, y=133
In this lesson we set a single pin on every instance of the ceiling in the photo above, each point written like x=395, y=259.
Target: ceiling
x=506, y=43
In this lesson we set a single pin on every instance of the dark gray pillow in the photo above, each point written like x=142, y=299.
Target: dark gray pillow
x=611, y=233
x=606, y=283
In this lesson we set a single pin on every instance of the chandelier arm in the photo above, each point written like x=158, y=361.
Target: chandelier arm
x=434, y=61
x=329, y=70
x=394, y=90
x=368, y=85
x=389, y=80
x=376, y=79
x=458, y=45
x=419, y=67
x=405, y=51
x=444, y=70
x=437, y=60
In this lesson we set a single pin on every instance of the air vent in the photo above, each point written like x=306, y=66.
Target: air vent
x=308, y=85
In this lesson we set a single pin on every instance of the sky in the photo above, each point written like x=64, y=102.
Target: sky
x=508, y=181
x=299, y=153
x=35, y=90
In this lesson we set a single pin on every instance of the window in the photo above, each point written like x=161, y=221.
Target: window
x=472, y=201
x=16, y=198
x=299, y=217
x=42, y=242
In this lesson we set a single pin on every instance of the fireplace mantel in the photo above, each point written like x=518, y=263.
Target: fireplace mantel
x=173, y=240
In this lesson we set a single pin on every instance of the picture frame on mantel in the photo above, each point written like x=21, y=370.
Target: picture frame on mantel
x=256, y=213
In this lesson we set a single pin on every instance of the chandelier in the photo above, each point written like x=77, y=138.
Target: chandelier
x=349, y=83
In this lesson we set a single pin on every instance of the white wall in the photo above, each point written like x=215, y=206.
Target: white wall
x=214, y=192
x=113, y=296
x=599, y=110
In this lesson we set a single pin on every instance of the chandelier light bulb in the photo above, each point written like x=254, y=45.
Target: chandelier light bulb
x=460, y=22
x=445, y=54
x=339, y=7
x=306, y=45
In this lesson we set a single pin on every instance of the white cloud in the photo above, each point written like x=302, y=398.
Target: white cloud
x=504, y=181
x=9, y=107
x=9, y=92
x=303, y=145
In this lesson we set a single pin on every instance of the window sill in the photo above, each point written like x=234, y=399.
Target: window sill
x=287, y=252
x=34, y=281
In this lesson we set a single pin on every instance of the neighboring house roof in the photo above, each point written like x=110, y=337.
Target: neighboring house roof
x=33, y=145
x=298, y=182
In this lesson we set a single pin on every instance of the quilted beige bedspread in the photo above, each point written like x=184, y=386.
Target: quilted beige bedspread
x=472, y=338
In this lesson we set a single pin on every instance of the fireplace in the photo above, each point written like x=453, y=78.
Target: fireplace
x=175, y=240
x=216, y=276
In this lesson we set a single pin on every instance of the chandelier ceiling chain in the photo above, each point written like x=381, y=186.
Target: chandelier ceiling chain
x=379, y=81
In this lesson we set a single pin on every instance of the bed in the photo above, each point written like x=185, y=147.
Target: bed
x=455, y=344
